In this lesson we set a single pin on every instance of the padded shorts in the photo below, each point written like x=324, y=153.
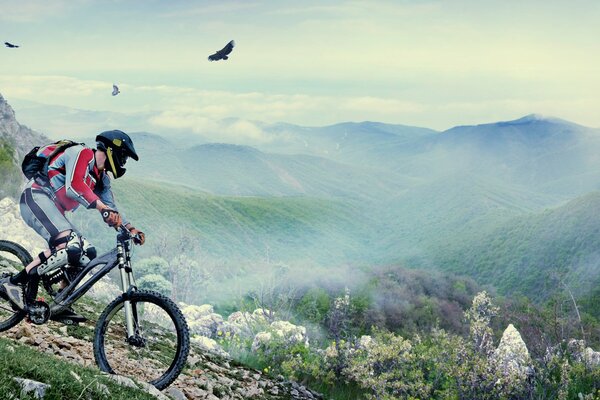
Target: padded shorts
x=39, y=212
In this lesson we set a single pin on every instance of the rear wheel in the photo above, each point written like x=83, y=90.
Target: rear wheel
x=13, y=258
x=157, y=352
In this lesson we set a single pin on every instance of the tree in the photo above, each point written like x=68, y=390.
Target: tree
x=155, y=282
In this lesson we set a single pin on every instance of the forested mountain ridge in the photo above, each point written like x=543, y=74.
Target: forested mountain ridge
x=527, y=254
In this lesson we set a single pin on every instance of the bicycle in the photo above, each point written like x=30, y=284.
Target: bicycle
x=141, y=332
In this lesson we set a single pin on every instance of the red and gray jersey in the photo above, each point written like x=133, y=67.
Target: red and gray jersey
x=75, y=179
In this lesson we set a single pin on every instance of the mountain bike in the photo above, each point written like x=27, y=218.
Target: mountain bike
x=141, y=333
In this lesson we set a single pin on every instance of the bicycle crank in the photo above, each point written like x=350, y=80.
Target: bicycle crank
x=38, y=312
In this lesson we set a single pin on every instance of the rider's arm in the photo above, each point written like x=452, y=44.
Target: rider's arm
x=77, y=165
x=107, y=197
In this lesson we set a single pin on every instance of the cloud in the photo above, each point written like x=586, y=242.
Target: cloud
x=33, y=10
x=212, y=9
x=164, y=107
x=228, y=131
x=47, y=88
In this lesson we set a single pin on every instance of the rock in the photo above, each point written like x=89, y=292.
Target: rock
x=153, y=391
x=208, y=325
x=32, y=388
x=192, y=312
x=591, y=357
x=123, y=381
x=175, y=393
x=209, y=345
x=511, y=359
x=102, y=388
x=196, y=393
x=24, y=331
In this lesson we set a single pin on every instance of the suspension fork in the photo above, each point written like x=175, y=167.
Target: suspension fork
x=127, y=285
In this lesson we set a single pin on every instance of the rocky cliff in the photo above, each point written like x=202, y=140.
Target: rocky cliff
x=19, y=136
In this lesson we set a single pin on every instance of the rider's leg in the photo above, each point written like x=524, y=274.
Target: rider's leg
x=48, y=252
x=41, y=213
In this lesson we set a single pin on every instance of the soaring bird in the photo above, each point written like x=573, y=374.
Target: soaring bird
x=116, y=90
x=10, y=45
x=223, y=53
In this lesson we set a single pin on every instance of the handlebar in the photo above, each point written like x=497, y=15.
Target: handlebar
x=122, y=229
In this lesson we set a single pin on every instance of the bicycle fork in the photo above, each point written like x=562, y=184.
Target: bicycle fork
x=127, y=284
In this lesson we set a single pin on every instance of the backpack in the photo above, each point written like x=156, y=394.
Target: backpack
x=35, y=163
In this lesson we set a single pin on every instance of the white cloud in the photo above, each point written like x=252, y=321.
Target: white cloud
x=33, y=10
x=164, y=107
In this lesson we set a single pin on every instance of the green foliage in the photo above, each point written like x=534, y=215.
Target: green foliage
x=432, y=364
x=155, y=282
x=388, y=368
x=152, y=266
x=523, y=254
x=11, y=176
x=314, y=305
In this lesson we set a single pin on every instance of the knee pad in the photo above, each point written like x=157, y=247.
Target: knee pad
x=88, y=252
x=57, y=259
x=74, y=249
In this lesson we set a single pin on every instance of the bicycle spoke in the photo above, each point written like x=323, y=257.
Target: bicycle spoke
x=12, y=259
x=151, y=351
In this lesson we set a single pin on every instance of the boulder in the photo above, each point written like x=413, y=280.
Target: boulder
x=32, y=388
x=591, y=357
x=209, y=345
x=511, y=359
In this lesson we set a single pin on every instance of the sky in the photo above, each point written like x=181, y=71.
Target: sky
x=429, y=63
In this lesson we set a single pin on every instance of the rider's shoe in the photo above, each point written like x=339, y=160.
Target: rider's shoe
x=68, y=317
x=12, y=292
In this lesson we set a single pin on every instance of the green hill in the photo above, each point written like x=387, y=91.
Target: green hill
x=526, y=253
x=235, y=227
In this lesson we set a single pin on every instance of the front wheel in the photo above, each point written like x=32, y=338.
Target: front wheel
x=13, y=258
x=158, y=350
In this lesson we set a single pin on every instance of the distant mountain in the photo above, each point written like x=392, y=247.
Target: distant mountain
x=59, y=122
x=549, y=155
x=364, y=143
x=371, y=192
x=228, y=169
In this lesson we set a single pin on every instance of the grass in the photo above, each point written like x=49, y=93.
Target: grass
x=24, y=362
x=233, y=227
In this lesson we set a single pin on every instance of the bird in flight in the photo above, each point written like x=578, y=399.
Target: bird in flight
x=10, y=45
x=116, y=90
x=223, y=53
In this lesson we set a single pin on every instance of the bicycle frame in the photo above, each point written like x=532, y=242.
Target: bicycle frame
x=117, y=257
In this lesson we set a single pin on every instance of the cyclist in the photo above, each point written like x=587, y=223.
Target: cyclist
x=76, y=176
